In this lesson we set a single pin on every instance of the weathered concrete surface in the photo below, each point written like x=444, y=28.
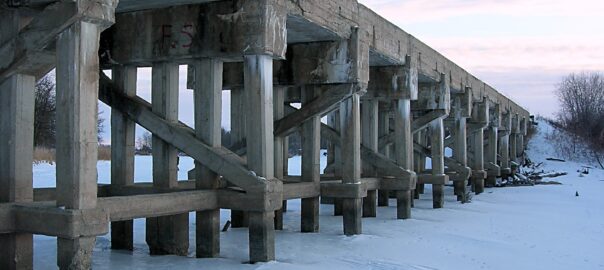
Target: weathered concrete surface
x=258, y=70
x=351, y=160
x=170, y=234
x=122, y=154
x=16, y=156
x=311, y=167
x=208, y=110
x=219, y=29
x=77, y=95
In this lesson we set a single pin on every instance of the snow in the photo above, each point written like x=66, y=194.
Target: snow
x=539, y=227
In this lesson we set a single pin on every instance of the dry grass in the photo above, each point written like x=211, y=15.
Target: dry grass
x=48, y=155
x=44, y=155
x=104, y=152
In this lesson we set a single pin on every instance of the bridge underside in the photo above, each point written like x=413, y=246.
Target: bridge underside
x=390, y=101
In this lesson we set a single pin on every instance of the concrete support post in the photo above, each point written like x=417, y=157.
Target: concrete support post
x=403, y=144
x=514, y=139
x=208, y=115
x=513, y=147
x=77, y=95
x=422, y=140
x=477, y=141
x=311, y=167
x=334, y=121
x=122, y=154
x=350, y=135
x=285, y=166
x=280, y=153
x=170, y=234
x=16, y=157
x=491, y=157
x=258, y=83
x=520, y=140
x=460, y=154
x=370, y=139
x=239, y=219
x=384, y=129
x=438, y=163
x=504, y=152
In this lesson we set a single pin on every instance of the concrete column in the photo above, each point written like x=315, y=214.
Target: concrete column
x=477, y=141
x=285, y=167
x=403, y=144
x=350, y=135
x=491, y=157
x=513, y=147
x=170, y=234
x=334, y=121
x=208, y=115
x=504, y=152
x=520, y=145
x=16, y=157
x=76, y=143
x=258, y=83
x=438, y=163
x=384, y=129
x=369, y=123
x=311, y=167
x=520, y=140
x=122, y=154
x=422, y=140
x=239, y=219
x=514, y=139
x=460, y=154
x=280, y=153
x=331, y=147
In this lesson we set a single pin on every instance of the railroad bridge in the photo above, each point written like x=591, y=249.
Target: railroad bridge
x=390, y=101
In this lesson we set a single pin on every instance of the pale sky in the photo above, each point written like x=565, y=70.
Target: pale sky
x=522, y=48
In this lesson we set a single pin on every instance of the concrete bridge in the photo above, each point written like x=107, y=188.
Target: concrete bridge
x=390, y=101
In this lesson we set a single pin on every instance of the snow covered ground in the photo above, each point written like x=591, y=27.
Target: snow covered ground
x=539, y=227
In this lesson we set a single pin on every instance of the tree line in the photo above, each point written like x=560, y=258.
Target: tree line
x=45, y=114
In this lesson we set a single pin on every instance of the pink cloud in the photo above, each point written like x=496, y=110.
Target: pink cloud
x=413, y=11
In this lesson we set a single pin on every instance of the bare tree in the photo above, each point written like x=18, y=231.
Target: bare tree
x=45, y=109
x=45, y=114
x=581, y=98
x=144, y=144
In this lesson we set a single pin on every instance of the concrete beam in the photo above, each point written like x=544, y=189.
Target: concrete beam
x=186, y=32
x=225, y=162
x=130, y=207
x=63, y=223
x=25, y=53
x=315, y=107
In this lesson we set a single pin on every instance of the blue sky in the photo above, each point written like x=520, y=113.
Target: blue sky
x=522, y=48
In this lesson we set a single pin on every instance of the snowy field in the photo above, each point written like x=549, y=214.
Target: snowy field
x=539, y=227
